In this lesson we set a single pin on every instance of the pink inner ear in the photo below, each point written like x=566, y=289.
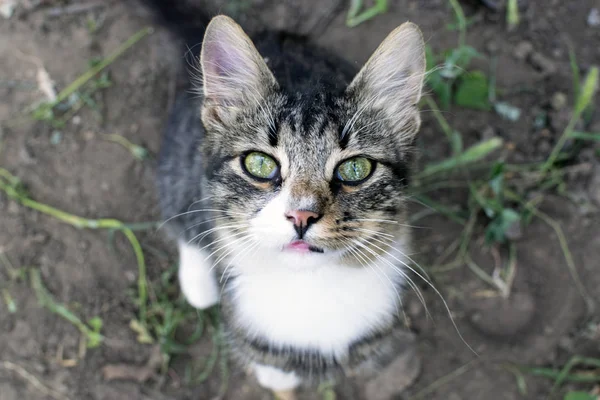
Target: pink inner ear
x=228, y=67
x=219, y=60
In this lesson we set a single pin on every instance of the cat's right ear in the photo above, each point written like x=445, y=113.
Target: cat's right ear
x=234, y=74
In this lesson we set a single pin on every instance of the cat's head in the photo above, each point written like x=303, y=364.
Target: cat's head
x=304, y=177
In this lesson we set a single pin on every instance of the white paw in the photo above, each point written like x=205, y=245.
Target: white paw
x=196, y=280
x=275, y=379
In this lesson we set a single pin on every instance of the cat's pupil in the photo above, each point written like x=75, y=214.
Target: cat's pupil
x=260, y=165
x=354, y=170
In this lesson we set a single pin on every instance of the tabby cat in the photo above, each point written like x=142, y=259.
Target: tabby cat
x=283, y=179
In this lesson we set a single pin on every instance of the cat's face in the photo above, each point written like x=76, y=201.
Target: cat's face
x=308, y=177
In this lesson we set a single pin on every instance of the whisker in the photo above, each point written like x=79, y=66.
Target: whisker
x=390, y=245
x=200, y=201
x=225, y=238
x=372, y=231
x=253, y=244
x=402, y=273
x=228, y=252
x=202, y=235
x=201, y=210
x=363, y=256
x=206, y=222
x=251, y=247
x=437, y=292
x=243, y=239
x=388, y=221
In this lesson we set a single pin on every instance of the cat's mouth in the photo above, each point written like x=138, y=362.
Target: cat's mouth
x=300, y=246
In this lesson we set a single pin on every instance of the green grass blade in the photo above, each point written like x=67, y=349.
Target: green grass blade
x=461, y=21
x=46, y=300
x=585, y=136
x=584, y=98
x=588, y=89
x=471, y=155
x=512, y=14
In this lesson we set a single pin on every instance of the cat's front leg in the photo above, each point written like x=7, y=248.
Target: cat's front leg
x=281, y=383
x=196, y=279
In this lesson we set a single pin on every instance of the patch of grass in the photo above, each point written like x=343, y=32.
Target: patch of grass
x=65, y=99
x=162, y=310
x=447, y=73
x=90, y=330
x=577, y=370
x=13, y=188
x=499, y=197
x=583, y=101
x=138, y=152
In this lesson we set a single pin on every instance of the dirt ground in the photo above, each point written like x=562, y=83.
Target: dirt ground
x=77, y=171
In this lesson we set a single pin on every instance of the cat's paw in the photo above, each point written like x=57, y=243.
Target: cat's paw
x=275, y=379
x=196, y=280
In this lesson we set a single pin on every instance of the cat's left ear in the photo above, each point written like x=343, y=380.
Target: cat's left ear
x=392, y=80
x=234, y=75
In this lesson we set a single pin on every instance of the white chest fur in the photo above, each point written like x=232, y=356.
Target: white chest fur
x=324, y=308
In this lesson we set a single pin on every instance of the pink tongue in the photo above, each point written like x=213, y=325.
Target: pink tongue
x=299, y=246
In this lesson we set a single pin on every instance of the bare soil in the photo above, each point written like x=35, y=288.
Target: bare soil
x=543, y=323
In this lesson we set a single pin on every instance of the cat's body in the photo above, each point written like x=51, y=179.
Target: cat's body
x=285, y=193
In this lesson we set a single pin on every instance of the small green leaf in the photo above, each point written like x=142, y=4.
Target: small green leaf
x=441, y=87
x=94, y=339
x=587, y=90
x=497, y=179
x=95, y=323
x=143, y=334
x=457, y=60
x=579, y=396
x=512, y=14
x=496, y=230
x=472, y=91
x=10, y=302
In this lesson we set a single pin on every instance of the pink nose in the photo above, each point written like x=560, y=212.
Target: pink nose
x=301, y=218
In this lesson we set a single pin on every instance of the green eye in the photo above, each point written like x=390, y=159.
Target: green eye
x=354, y=170
x=260, y=165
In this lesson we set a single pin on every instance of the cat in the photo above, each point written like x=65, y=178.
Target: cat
x=283, y=176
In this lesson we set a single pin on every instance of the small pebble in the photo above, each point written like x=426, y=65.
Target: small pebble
x=88, y=135
x=501, y=317
x=566, y=343
x=593, y=19
x=76, y=120
x=26, y=156
x=542, y=63
x=559, y=101
x=522, y=50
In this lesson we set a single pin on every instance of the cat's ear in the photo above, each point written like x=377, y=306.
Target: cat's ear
x=233, y=72
x=392, y=79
